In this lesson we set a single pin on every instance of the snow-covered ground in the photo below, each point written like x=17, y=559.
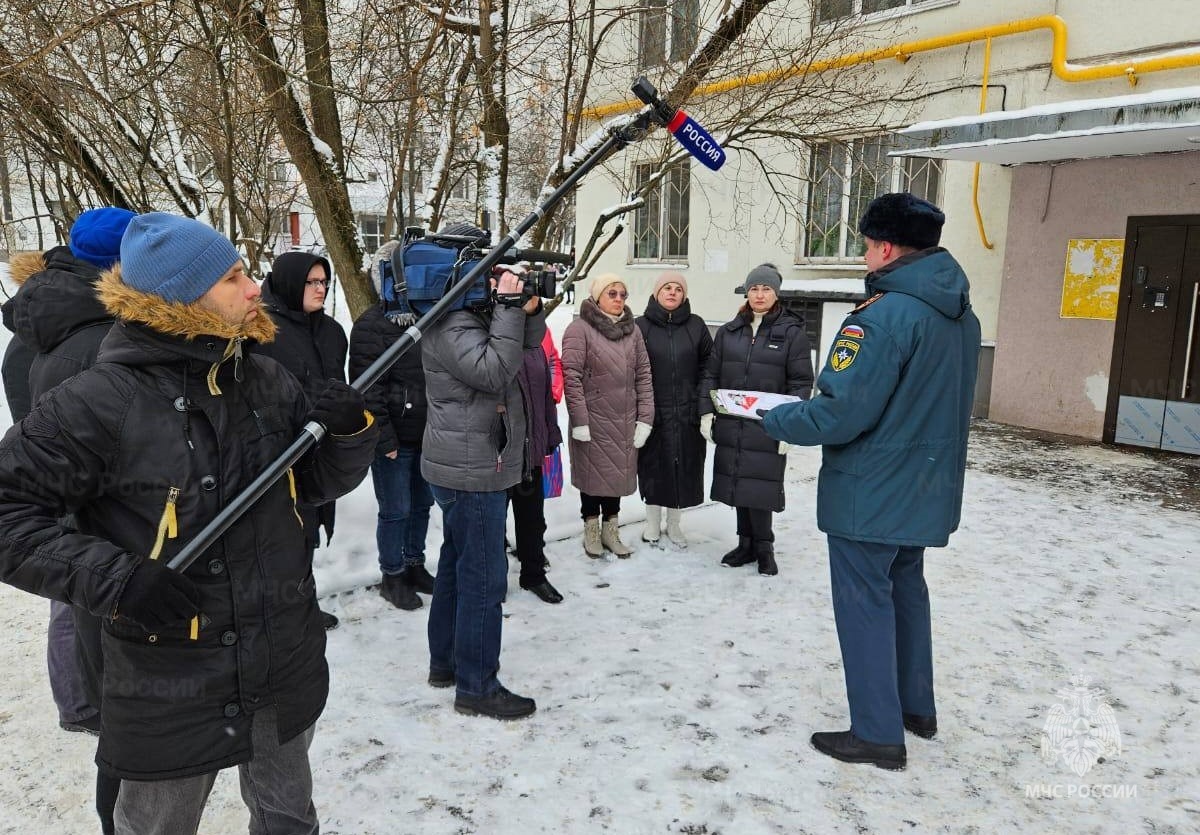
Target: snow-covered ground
x=675, y=695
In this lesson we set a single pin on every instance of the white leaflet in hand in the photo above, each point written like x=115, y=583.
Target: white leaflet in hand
x=745, y=404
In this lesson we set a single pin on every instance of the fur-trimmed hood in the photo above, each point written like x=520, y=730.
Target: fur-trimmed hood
x=189, y=321
x=56, y=298
x=23, y=265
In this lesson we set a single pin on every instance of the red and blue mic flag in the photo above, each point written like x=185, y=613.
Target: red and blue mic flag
x=696, y=140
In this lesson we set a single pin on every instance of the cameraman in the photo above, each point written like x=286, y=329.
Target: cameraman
x=472, y=453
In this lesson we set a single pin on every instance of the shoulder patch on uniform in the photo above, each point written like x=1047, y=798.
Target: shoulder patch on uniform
x=853, y=331
x=868, y=302
x=844, y=352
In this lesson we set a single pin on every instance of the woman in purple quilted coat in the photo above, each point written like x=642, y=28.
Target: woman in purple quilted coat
x=610, y=403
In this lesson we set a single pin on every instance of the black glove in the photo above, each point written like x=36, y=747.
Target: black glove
x=156, y=596
x=340, y=409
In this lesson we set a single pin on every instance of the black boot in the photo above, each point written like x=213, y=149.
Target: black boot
x=923, y=726
x=420, y=579
x=396, y=590
x=328, y=620
x=764, y=552
x=501, y=704
x=743, y=554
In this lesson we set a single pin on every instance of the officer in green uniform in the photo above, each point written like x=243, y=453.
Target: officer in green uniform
x=892, y=414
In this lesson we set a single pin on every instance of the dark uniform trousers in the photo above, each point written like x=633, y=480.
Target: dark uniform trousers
x=881, y=606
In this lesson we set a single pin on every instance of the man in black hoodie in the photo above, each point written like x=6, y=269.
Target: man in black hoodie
x=58, y=318
x=310, y=344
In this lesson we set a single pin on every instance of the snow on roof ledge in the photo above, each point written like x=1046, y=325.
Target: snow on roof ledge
x=1148, y=123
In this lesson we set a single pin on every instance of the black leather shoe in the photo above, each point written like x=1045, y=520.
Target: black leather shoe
x=328, y=620
x=437, y=678
x=420, y=579
x=396, y=590
x=845, y=746
x=498, y=705
x=743, y=554
x=545, y=591
x=923, y=726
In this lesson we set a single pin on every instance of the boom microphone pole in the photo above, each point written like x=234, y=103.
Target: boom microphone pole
x=657, y=114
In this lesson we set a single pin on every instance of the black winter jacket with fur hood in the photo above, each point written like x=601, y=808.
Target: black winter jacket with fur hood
x=57, y=314
x=144, y=448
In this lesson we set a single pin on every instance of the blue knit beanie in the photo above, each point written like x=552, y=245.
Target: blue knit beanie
x=96, y=235
x=174, y=257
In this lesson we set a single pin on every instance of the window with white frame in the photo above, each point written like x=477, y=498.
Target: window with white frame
x=843, y=177
x=668, y=30
x=372, y=228
x=837, y=9
x=660, y=225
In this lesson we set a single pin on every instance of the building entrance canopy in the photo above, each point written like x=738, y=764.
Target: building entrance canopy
x=1149, y=123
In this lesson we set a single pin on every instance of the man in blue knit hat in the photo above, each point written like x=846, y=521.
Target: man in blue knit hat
x=892, y=415
x=222, y=663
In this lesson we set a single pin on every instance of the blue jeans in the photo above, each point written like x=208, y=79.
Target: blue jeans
x=404, y=502
x=465, y=616
x=881, y=605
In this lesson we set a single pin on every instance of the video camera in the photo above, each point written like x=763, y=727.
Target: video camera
x=540, y=278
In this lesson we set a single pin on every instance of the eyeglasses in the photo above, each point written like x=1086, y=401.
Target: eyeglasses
x=617, y=294
x=317, y=282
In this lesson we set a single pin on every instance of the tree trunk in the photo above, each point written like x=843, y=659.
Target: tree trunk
x=327, y=124
x=319, y=172
x=494, y=122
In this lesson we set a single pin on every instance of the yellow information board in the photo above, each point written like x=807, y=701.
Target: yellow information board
x=1092, y=278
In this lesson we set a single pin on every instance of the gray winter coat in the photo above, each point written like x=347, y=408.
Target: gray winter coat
x=607, y=375
x=475, y=429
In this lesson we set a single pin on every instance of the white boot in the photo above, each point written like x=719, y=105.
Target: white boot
x=610, y=537
x=591, y=537
x=653, y=528
x=674, y=532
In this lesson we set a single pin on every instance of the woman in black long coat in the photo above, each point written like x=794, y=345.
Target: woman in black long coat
x=764, y=348
x=310, y=344
x=671, y=464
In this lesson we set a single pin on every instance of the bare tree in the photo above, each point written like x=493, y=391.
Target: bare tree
x=188, y=105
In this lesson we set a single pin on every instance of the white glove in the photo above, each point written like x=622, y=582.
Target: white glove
x=706, y=426
x=641, y=431
x=581, y=433
x=784, y=446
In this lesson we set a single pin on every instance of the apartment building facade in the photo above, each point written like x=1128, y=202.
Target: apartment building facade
x=1062, y=140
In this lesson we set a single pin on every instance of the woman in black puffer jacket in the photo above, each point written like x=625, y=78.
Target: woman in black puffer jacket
x=671, y=464
x=764, y=348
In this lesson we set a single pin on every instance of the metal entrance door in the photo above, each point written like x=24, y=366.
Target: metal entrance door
x=1154, y=399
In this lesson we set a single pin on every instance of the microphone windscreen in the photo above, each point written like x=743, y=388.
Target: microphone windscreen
x=692, y=136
